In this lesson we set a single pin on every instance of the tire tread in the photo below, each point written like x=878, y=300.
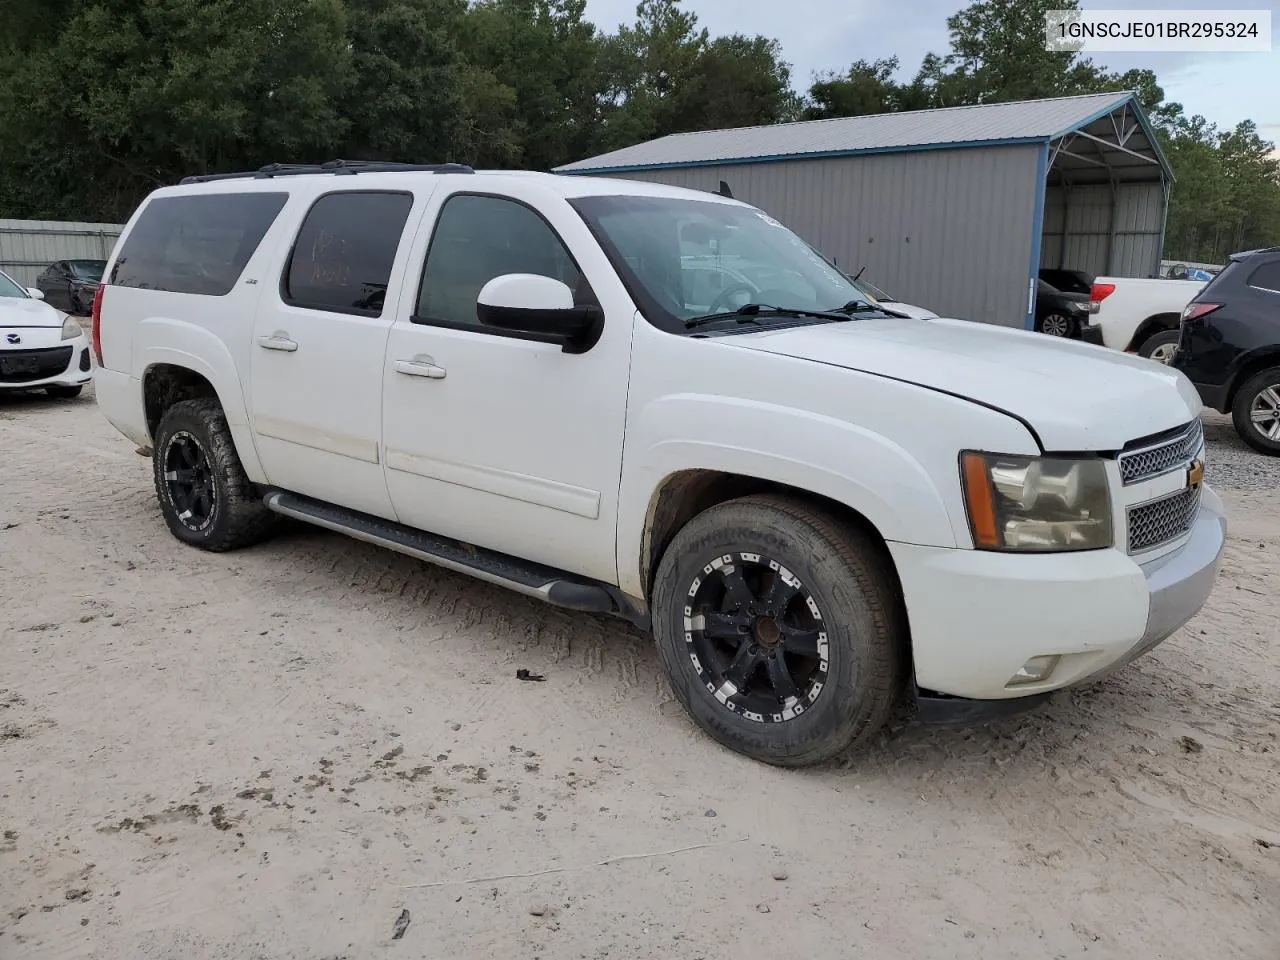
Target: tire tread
x=867, y=566
x=247, y=520
x=1240, y=405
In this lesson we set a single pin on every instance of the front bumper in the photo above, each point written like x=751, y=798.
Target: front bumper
x=75, y=370
x=977, y=617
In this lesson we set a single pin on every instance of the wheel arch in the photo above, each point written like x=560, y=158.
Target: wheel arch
x=685, y=494
x=1252, y=363
x=170, y=374
x=1152, y=325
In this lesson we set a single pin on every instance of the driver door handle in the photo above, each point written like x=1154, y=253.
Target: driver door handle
x=420, y=367
x=277, y=342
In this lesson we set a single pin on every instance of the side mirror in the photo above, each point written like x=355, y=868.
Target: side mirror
x=36, y=293
x=532, y=304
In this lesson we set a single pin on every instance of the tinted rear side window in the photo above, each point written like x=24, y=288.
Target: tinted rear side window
x=1266, y=277
x=341, y=261
x=198, y=244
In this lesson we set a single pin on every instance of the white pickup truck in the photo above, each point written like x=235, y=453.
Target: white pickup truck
x=818, y=509
x=1141, y=316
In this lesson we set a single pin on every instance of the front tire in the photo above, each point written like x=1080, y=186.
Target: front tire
x=1161, y=346
x=1255, y=411
x=205, y=497
x=781, y=629
x=64, y=393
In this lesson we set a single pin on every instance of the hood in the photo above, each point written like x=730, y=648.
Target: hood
x=910, y=309
x=1075, y=395
x=27, y=312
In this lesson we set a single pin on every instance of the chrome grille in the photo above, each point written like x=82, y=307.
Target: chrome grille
x=1157, y=522
x=1163, y=457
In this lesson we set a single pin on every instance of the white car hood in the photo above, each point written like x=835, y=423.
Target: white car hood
x=1076, y=396
x=28, y=312
x=911, y=310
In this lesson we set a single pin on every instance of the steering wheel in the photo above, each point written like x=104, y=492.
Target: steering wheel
x=719, y=306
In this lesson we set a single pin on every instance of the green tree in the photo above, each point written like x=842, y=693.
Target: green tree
x=538, y=62
x=130, y=95
x=736, y=81
x=868, y=86
x=406, y=90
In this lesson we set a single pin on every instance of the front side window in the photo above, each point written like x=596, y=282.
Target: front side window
x=687, y=259
x=341, y=261
x=197, y=244
x=478, y=238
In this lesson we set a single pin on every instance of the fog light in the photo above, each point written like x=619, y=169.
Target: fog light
x=1035, y=670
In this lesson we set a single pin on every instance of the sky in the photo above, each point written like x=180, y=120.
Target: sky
x=819, y=35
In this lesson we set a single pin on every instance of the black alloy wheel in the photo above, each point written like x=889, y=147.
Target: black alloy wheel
x=756, y=638
x=188, y=478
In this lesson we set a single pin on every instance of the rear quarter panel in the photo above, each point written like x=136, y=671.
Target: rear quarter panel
x=1134, y=300
x=209, y=335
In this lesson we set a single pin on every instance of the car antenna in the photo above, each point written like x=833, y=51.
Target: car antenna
x=725, y=191
x=860, y=272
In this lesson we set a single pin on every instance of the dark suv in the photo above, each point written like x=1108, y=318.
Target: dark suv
x=1230, y=346
x=69, y=284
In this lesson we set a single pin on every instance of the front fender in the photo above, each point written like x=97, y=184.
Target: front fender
x=834, y=458
x=197, y=349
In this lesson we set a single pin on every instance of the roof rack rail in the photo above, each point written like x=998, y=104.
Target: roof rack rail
x=337, y=167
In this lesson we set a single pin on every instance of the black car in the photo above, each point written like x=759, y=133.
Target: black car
x=1059, y=313
x=69, y=284
x=1068, y=281
x=1229, y=346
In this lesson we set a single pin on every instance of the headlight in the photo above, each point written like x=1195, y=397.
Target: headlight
x=1075, y=307
x=71, y=329
x=1036, y=504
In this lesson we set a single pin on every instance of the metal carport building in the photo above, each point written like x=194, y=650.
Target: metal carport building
x=953, y=209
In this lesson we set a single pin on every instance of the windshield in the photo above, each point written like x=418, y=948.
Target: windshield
x=10, y=288
x=88, y=269
x=692, y=258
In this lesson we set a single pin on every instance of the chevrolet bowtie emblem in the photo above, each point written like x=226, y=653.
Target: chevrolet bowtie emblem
x=1195, y=473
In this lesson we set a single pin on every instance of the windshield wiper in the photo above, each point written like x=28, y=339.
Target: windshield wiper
x=748, y=312
x=861, y=306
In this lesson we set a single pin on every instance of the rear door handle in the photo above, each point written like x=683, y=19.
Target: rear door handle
x=420, y=367
x=277, y=341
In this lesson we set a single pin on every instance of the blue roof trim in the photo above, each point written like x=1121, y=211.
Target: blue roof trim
x=823, y=155
x=1121, y=100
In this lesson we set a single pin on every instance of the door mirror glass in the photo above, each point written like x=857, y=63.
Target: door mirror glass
x=529, y=303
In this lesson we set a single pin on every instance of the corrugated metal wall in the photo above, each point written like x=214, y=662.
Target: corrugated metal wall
x=28, y=246
x=949, y=230
x=1084, y=230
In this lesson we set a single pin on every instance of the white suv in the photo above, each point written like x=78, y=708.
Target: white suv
x=817, y=509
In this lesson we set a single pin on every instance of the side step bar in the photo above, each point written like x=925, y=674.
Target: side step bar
x=531, y=579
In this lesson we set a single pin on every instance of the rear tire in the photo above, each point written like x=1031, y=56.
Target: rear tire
x=1057, y=325
x=836, y=622
x=64, y=393
x=1259, y=397
x=1161, y=346
x=205, y=497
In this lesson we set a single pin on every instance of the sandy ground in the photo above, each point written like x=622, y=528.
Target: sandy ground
x=274, y=753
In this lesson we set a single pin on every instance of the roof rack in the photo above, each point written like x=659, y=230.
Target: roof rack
x=337, y=167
